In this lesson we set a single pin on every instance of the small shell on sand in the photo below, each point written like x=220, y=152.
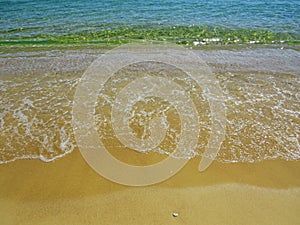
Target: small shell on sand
x=175, y=214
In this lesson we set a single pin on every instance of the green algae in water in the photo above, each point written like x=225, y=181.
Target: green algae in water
x=179, y=34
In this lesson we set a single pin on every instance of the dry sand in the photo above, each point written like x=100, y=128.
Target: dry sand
x=68, y=191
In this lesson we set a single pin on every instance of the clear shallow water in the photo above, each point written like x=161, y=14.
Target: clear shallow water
x=260, y=86
x=183, y=21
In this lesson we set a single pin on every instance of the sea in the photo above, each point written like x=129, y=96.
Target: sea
x=182, y=21
x=250, y=47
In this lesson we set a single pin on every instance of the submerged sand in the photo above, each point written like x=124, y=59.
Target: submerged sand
x=68, y=191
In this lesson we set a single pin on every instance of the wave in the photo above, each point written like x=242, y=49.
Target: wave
x=262, y=104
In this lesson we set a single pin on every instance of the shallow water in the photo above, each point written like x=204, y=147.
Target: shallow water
x=260, y=86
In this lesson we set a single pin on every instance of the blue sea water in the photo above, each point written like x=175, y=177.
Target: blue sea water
x=106, y=20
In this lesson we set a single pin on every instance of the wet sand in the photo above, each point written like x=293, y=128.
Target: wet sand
x=68, y=191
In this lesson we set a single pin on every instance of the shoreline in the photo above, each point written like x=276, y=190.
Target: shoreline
x=68, y=191
x=58, y=72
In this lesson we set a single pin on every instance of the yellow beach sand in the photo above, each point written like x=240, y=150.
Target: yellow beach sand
x=68, y=191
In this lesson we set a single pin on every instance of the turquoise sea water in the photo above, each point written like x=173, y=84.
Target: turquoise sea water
x=182, y=21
